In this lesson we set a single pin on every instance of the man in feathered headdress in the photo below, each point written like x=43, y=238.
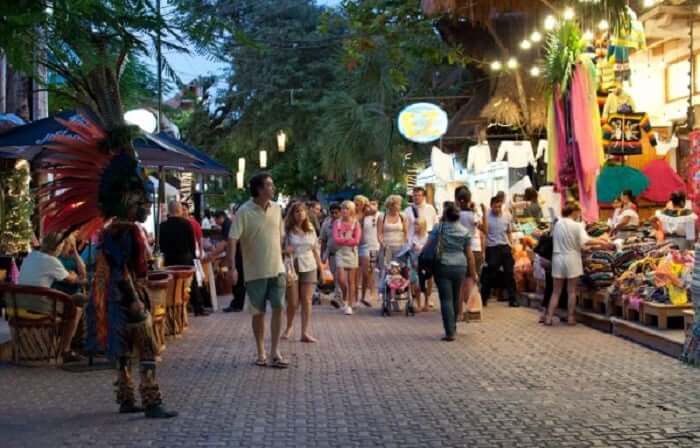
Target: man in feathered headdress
x=94, y=182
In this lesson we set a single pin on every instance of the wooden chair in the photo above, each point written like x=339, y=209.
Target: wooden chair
x=178, y=296
x=158, y=283
x=36, y=316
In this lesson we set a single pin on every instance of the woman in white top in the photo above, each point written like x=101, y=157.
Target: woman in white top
x=628, y=218
x=678, y=222
x=569, y=237
x=473, y=221
x=301, y=244
x=392, y=231
x=369, y=247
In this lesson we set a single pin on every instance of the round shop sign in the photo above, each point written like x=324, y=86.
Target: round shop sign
x=422, y=122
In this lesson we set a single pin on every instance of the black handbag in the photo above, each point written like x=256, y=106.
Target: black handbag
x=429, y=257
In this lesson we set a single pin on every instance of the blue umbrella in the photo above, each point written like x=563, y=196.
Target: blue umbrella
x=26, y=142
x=208, y=165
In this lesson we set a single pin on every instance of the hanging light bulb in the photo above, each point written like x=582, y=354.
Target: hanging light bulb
x=239, y=180
x=649, y=3
x=536, y=36
x=281, y=141
x=496, y=66
x=588, y=35
x=535, y=72
x=241, y=164
x=512, y=63
x=263, y=159
x=550, y=22
x=569, y=13
x=603, y=25
x=525, y=44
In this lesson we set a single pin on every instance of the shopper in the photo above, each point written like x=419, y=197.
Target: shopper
x=328, y=248
x=421, y=208
x=346, y=235
x=368, y=251
x=302, y=245
x=569, y=237
x=678, y=222
x=392, y=229
x=532, y=208
x=456, y=261
x=259, y=228
x=419, y=277
x=472, y=220
x=498, y=253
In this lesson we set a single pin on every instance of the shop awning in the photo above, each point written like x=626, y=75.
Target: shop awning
x=26, y=142
x=207, y=166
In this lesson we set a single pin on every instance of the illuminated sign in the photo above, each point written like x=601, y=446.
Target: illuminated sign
x=422, y=122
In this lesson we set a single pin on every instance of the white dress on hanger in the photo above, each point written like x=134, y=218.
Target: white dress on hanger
x=478, y=157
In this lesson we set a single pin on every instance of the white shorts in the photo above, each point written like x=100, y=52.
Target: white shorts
x=346, y=258
x=567, y=266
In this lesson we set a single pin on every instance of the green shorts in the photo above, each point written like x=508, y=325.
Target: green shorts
x=263, y=290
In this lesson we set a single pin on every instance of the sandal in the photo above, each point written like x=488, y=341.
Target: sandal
x=279, y=363
x=261, y=362
x=547, y=322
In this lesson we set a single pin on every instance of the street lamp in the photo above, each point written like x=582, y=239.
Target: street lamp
x=142, y=118
x=263, y=159
x=281, y=141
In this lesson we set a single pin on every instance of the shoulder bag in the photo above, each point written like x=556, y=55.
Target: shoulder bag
x=429, y=257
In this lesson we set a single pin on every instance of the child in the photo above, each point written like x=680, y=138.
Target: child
x=418, y=280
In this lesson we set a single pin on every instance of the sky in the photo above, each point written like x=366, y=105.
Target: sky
x=190, y=66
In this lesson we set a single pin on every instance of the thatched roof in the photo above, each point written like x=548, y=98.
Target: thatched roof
x=504, y=107
x=483, y=10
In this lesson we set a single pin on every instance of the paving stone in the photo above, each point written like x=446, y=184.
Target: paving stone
x=373, y=381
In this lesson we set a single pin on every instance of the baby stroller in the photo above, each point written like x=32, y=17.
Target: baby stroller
x=395, y=285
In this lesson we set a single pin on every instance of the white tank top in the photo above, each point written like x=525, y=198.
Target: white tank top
x=393, y=232
x=370, y=240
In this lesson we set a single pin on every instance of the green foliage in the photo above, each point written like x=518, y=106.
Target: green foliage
x=563, y=47
x=84, y=42
x=16, y=208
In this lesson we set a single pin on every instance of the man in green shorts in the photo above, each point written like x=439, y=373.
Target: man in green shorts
x=259, y=229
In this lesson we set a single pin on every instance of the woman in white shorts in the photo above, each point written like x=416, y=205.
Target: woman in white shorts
x=369, y=247
x=569, y=238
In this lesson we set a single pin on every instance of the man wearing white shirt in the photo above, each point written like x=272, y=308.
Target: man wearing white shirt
x=421, y=209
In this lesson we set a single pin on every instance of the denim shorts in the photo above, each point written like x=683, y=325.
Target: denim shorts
x=263, y=290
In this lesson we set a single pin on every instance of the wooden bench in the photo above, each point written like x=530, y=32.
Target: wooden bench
x=688, y=321
x=176, y=320
x=630, y=312
x=36, y=317
x=157, y=284
x=662, y=312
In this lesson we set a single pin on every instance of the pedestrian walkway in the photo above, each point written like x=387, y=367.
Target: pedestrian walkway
x=373, y=381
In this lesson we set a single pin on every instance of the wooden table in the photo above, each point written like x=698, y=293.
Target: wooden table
x=662, y=312
x=688, y=321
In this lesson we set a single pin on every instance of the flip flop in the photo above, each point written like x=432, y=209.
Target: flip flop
x=261, y=362
x=279, y=363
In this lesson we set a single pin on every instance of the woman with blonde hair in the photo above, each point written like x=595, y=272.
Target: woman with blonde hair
x=346, y=234
x=301, y=243
x=392, y=228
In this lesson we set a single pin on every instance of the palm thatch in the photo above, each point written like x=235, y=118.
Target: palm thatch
x=504, y=106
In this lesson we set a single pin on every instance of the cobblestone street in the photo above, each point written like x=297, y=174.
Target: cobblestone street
x=372, y=381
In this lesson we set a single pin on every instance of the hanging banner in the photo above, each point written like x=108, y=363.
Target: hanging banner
x=422, y=122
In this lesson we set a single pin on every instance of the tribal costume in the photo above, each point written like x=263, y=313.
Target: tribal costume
x=94, y=183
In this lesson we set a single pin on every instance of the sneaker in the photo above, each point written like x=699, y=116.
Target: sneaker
x=348, y=310
x=158, y=411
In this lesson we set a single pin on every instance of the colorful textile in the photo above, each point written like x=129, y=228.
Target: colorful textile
x=662, y=181
x=613, y=180
x=623, y=133
x=691, y=350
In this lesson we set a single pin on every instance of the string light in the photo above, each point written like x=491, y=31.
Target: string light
x=569, y=14
x=536, y=36
x=603, y=25
x=496, y=65
x=512, y=63
x=241, y=164
x=650, y=3
x=525, y=44
x=535, y=72
x=550, y=22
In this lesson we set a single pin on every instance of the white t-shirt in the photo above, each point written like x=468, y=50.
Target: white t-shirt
x=569, y=237
x=40, y=269
x=519, y=153
x=634, y=217
x=370, y=240
x=478, y=158
x=469, y=219
x=425, y=211
x=303, y=246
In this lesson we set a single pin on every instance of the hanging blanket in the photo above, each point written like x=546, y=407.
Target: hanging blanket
x=662, y=181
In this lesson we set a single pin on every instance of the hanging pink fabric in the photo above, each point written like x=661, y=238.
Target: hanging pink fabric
x=587, y=146
x=662, y=181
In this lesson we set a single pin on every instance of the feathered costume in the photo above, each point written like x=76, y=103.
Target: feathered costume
x=96, y=182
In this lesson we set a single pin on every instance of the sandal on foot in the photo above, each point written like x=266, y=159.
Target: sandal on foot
x=279, y=363
x=261, y=362
x=366, y=303
x=308, y=339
